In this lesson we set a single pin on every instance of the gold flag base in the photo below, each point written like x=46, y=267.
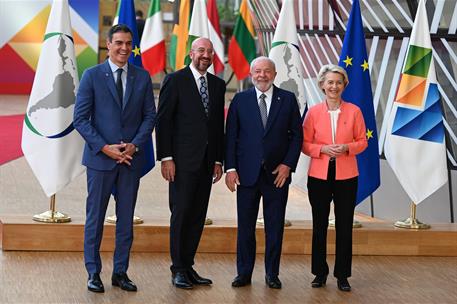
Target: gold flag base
x=208, y=221
x=411, y=222
x=355, y=224
x=52, y=217
x=261, y=222
x=113, y=219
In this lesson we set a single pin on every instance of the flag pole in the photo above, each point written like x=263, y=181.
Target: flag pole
x=52, y=216
x=412, y=222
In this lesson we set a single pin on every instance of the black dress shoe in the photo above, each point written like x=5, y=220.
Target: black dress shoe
x=273, y=282
x=343, y=285
x=240, y=281
x=94, y=283
x=319, y=281
x=196, y=279
x=181, y=280
x=122, y=280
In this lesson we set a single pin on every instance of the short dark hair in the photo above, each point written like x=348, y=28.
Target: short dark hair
x=139, y=13
x=118, y=28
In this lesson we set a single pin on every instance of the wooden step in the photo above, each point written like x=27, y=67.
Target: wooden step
x=22, y=233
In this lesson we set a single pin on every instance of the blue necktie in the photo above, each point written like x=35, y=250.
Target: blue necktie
x=204, y=94
x=119, y=88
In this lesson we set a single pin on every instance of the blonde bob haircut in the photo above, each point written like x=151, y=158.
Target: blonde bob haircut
x=331, y=68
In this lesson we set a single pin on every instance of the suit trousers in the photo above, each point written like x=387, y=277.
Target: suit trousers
x=99, y=186
x=274, y=209
x=343, y=193
x=189, y=196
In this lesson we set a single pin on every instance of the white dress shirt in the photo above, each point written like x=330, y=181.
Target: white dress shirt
x=114, y=69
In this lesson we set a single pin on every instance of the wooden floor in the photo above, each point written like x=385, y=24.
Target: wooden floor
x=42, y=277
x=60, y=277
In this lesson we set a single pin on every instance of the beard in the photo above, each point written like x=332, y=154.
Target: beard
x=262, y=85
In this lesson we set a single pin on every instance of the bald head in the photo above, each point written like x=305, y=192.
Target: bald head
x=202, y=54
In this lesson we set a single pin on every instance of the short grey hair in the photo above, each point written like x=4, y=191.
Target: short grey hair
x=261, y=58
x=331, y=68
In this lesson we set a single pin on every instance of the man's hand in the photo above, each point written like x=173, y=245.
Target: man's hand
x=217, y=174
x=232, y=180
x=283, y=173
x=116, y=152
x=168, y=170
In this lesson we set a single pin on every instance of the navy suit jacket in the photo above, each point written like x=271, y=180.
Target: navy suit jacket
x=250, y=146
x=98, y=116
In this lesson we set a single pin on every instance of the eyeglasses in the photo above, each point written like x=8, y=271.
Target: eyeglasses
x=203, y=50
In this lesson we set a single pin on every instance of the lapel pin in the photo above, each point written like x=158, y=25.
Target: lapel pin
x=107, y=75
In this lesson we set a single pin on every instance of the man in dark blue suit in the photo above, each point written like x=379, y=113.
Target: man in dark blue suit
x=263, y=142
x=115, y=114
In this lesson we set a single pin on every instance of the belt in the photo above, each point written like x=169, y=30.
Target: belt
x=332, y=159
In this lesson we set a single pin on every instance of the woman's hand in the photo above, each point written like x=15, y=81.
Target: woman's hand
x=334, y=150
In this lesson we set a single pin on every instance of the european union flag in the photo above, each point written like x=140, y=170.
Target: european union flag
x=355, y=60
x=127, y=17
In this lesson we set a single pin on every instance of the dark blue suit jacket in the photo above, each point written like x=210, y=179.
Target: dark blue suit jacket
x=249, y=146
x=98, y=116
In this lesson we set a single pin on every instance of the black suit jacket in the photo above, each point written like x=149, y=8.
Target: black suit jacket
x=183, y=130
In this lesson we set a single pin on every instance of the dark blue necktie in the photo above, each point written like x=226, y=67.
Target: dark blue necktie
x=119, y=88
x=204, y=94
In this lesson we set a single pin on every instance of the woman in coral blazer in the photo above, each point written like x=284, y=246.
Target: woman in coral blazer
x=333, y=134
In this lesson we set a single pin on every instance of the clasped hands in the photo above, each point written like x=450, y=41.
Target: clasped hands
x=334, y=150
x=122, y=153
x=282, y=172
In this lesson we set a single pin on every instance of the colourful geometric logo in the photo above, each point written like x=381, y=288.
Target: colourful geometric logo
x=425, y=122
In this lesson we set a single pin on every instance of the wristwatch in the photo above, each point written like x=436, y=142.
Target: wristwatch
x=137, y=149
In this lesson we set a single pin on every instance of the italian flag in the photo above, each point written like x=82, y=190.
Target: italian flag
x=152, y=43
x=178, y=42
x=242, y=48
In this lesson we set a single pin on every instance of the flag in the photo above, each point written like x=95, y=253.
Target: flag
x=215, y=36
x=50, y=144
x=178, y=41
x=242, y=48
x=354, y=60
x=127, y=16
x=286, y=56
x=415, y=146
x=198, y=28
x=152, y=43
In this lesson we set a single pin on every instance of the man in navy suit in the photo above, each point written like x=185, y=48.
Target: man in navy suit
x=115, y=114
x=263, y=142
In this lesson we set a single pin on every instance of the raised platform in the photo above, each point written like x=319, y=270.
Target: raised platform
x=22, y=233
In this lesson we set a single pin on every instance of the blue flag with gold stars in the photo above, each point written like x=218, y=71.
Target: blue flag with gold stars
x=127, y=16
x=355, y=60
